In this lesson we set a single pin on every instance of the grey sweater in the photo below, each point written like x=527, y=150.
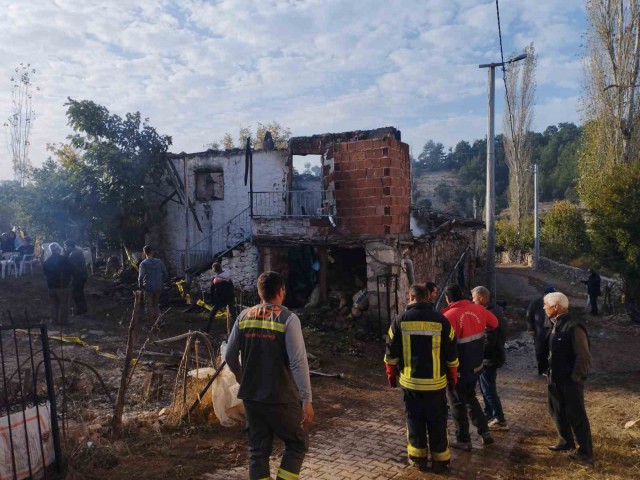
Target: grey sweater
x=152, y=275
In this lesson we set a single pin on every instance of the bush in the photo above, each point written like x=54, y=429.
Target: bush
x=508, y=239
x=563, y=233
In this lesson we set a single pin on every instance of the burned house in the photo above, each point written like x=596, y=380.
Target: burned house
x=351, y=233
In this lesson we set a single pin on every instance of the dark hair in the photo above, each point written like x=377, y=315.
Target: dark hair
x=216, y=267
x=453, y=293
x=269, y=284
x=70, y=243
x=148, y=249
x=419, y=292
x=430, y=286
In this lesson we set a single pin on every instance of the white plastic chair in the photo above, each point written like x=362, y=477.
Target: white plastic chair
x=27, y=260
x=7, y=263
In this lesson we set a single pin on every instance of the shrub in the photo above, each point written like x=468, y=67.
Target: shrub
x=563, y=234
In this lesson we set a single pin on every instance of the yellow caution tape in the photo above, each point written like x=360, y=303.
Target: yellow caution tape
x=79, y=341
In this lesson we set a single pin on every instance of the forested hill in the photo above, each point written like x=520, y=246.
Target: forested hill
x=459, y=173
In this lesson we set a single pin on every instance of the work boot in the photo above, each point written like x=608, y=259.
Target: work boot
x=440, y=467
x=487, y=439
x=581, y=457
x=560, y=447
x=466, y=446
x=418, y=463
x=496, y=424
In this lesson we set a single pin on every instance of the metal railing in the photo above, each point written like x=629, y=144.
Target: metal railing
x=292, y=203
x=28, y=417
x=227, y=236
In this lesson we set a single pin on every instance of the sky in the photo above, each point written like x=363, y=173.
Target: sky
x=200, y=68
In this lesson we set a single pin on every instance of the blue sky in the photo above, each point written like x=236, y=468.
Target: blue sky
x=201, y=68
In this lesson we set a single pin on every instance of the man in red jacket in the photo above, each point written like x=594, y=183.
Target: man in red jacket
x=469, y=322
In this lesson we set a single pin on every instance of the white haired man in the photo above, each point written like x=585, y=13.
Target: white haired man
x=569, y=361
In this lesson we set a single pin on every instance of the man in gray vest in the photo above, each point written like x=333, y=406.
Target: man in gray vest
x=273, y=374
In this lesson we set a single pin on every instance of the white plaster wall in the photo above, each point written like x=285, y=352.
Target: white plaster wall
x=270, y=172
x=243, y=267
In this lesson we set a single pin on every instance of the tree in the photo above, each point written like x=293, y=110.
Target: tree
x=279, y=133
x=432, y=157
x=564, y=232
x=21, y=120
x=116, y=158
x=609, y=161
x=518, y=115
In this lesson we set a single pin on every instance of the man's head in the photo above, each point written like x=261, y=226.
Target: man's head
x=69, y=244
x=453, y=293
x=481, y=295
x=432, y=291
x=148, y=251
x=555, y=304
x=271, y=287
x=55, y=248
x=216, y=267
x=418, y=294
x=12, y=234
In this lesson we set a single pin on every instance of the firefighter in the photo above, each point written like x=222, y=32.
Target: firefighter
x=421, y=355
x=274, y=379
x=469, y=322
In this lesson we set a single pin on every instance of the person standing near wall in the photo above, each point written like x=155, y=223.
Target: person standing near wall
x=494, y=358
x=273, y=374
x=78, y=275
x=469, y=322
x=421, y=350
x=593, y=290
x=151, y=278
x=569, y=360
x=222, y=295
x=57, y=271
x=539, y=326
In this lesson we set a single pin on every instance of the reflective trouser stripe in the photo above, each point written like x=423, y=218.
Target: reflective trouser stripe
x=417, y=452
x=284, y=475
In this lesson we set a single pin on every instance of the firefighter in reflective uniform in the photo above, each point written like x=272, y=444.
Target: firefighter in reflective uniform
x=421, y=354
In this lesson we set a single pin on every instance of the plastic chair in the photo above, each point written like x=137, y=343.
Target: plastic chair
x=27, y=260
x=8, y=265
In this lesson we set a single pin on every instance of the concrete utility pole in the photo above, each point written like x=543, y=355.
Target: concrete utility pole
x=187, y=247
x=490, y=214
x=536, y=219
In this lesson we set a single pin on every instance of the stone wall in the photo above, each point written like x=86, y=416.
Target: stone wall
x=577, y=275
x=242, y=265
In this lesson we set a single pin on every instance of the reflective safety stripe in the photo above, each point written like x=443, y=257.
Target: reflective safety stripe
x=423, y=384
x=406, y=350
x=452, y=334
x=284, y=475
x=477, y=336
x=421, y=326
x=455, y=363
x=390, y=333
x=265, y=324
x=441, y=456
x=417, y=452
x=391, y=361
x=435, y=355
x=430, y=333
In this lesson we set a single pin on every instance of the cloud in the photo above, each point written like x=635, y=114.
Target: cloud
x=199, y=68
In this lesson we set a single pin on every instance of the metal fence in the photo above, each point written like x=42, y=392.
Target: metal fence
x=302, y=203
x=29, y=436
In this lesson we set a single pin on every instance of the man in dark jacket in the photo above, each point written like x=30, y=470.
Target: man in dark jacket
x=421, y=350
x=78, y=275
x=222, y=295
x=569, y=361
x=494, y=358
x=538, y=326
x=57, y=271
x=273, y=373
x=469, y=322
x=151, y=277
x=593, y=290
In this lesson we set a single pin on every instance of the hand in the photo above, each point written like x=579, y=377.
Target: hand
x=392, y=375
x=453, y=377
x=307, y=414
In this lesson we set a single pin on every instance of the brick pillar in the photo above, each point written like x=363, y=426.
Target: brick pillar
x=371, y=181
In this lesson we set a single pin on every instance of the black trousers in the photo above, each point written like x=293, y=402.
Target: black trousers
x=283, y=420
x=566, y=406
x=541, y=349
x=77, y=293
x=465, y=405
x=427, y=414
x=217, y=306
x=593, y=301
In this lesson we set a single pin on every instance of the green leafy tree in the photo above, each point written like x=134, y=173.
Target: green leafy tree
x=563, y=234
x=116, y=158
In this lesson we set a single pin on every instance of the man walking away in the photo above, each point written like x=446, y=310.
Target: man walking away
x=469, y=322
x=593, y=290
x=274, y=379
x=569, y=362
x=57, y=271
x=539, y=326
x=78, y=275
x=421, y=348
x=222, y=295
x=494, y=358
x=151, y=278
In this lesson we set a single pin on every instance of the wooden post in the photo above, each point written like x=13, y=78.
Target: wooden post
x=322, y=251
x=116, y=423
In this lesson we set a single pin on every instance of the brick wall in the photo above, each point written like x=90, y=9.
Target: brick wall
x=371, y=183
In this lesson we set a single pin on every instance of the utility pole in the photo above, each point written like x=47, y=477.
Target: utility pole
x=536, y=219
x=187, y=246
x=490, y=214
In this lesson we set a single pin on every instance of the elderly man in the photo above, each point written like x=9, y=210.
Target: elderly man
x=494, y=358
x=569, y=361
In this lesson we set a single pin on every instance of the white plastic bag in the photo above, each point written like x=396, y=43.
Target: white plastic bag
x=224, y=395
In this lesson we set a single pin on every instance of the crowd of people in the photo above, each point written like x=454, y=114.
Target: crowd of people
x=15, y=245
